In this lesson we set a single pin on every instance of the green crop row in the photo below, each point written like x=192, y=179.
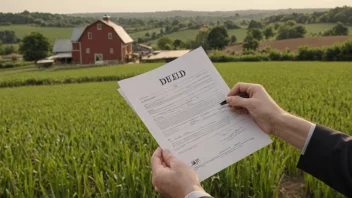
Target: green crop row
x=83, y=140
x=65, y=75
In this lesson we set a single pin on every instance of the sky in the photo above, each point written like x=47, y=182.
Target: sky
x=83, y=6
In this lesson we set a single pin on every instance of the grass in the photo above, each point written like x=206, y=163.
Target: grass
x=321, y=27
x=141, y=34
x=83, y=140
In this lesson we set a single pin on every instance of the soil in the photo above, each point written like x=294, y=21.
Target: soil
x=293, y=44
x=292, y=187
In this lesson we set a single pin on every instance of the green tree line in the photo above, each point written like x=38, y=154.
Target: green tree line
x=43, y=19
x=339, y=14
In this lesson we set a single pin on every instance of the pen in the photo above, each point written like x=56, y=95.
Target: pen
x=242, y=95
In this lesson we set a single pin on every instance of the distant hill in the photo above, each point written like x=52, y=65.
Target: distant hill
x=42, y=19
x=339, y=14
x=245, y=14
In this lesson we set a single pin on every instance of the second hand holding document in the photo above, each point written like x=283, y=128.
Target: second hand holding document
x=180, y=105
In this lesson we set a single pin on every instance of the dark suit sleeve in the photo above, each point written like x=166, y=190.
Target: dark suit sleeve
x=329, y=158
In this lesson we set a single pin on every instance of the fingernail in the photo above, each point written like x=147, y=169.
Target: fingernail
x=228, y=99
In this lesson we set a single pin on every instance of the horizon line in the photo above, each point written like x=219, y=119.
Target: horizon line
x=122, y=12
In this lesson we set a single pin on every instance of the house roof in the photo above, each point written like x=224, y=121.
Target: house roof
x=63, y=45
x=77, y=33
x=45, y=61
x=146, y=46
x=167, y=55
x=60, y=55
x=119, y=31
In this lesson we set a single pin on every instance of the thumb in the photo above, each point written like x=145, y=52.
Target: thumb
x=237, y=101
x=168, y=157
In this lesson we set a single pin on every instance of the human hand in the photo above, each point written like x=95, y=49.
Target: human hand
x=171, y=177
x=260, y=106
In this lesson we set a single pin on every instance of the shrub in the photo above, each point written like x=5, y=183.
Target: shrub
x=5, y=65
x=346, y=51
x=274, y=55
x=311, y=54
x=332, y=53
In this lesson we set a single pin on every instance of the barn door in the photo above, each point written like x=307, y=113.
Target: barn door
x=98, y=59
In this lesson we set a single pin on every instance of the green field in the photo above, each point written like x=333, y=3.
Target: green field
x=83, y=140
x=186, y=35
x=241, y=33
x=316, y=28
x=141, y=34
x=51, y=33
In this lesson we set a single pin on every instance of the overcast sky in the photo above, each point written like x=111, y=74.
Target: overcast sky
x=75, y=6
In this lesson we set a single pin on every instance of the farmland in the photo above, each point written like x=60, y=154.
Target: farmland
x=53, y=33
x=294, y=44
x=83, y=140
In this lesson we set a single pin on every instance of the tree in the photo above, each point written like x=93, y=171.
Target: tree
x=178, y=44
x=231, y=25
x=154, y=35
x=257, y=34
x=250, y=43
x=287, y=32
x=140, y=40
x=175, y=22
x=201, y=39
x=340, y=29
x=1, y=48
x=147, y=34
x=233, y=39
x=290, y=23
x=255, y=24
x=161, y=31
x=244, y=22
x=218, y=38
x=8, y=37
x=269, y=32
x=9, y=49
x=165, y=43
x=167, y=29
x=34, y=47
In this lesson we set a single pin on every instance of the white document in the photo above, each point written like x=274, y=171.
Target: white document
x=180, y=105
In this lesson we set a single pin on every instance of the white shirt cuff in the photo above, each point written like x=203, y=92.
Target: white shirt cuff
x=197, y=194
x=312, y=128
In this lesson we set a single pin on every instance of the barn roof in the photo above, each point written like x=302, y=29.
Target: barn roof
x=119, y=31
x=62, y=45
x=77, y=33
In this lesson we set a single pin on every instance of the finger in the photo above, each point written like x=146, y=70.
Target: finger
x=156, y=159
x=236, y=101
x=168, y=158
x=236, y=109
x=240, y=87
x=156, y=189
x=240, y=111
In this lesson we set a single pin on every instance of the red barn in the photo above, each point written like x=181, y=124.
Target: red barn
x=101, y=42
